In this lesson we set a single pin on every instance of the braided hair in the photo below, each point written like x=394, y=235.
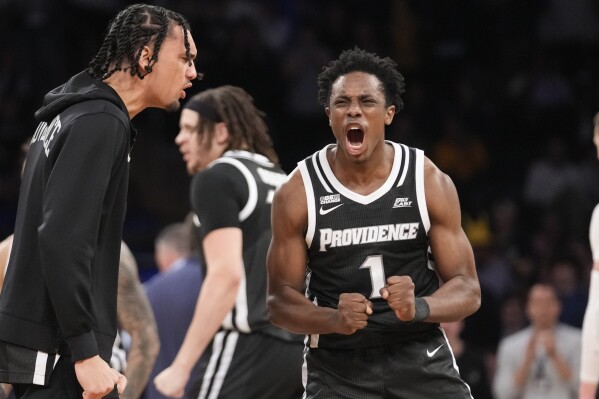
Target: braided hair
x=357, y=60
x=245, y=122
x=133, y=28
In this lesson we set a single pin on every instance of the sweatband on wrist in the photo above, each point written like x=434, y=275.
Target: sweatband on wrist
x=422, y=310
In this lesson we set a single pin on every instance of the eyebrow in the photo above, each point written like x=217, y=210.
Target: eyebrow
x=360, y=97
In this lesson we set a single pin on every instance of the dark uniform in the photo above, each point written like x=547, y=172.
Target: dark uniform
x=58, y=304
x=249, y=357
x=355, y=242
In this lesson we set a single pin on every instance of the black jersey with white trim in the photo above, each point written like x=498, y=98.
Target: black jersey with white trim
x=355, y=242
x=236, y=190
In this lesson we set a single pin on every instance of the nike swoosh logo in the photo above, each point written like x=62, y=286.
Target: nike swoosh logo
x=325, y=211
x=431, y=354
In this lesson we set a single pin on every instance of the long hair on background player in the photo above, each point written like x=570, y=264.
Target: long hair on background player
x=133, y=28
x=245, y=122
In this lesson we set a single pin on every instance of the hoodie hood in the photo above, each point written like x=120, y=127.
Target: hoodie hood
x=81, y=87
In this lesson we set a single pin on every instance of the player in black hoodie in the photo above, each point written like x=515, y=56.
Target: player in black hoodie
x=58, y=308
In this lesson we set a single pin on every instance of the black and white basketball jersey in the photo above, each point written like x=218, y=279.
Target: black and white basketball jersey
x=355, y=242
x=244, y=182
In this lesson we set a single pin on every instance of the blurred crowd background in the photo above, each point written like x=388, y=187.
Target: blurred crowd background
x=500, y=94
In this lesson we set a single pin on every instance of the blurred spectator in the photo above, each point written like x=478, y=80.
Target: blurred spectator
x=173, y=293
x=543, y=360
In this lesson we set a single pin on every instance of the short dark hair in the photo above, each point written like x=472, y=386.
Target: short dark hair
x=133, y=28
x=358, y=60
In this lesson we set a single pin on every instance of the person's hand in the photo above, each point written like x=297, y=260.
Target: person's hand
x=546, y=338
x=399, y=294
x=531, y=348
x=352, y=313
x=171, y=382
x=97, y=378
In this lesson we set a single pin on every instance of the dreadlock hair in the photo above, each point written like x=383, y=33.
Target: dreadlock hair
x=245, y=122
x=133, y=28
x=357, y=60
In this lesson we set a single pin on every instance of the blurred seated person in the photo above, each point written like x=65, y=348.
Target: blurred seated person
x=542, y=361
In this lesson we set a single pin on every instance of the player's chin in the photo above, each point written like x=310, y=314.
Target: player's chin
x=173, y=106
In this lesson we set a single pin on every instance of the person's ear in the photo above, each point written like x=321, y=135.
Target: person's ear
x=389, y=114
x=221, y=133
x=144, y=64
x=327, y=110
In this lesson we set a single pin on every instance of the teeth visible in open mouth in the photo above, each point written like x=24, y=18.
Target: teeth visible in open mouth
x=355, y=136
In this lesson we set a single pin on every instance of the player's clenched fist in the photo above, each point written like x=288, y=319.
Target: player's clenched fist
x=171, y=381
x=399, y=294
x=97, y=378
x=352, y=313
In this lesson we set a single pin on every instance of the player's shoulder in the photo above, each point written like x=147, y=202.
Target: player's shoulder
x=436, y=181
x=292, y=188
x=215, y=173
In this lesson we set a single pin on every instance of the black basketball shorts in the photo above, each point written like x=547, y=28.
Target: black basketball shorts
x=419, y=368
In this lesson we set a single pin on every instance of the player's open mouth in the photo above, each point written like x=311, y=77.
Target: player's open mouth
x=355, y=136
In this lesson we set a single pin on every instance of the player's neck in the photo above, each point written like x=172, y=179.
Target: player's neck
x=363, y=177
x=130, y=90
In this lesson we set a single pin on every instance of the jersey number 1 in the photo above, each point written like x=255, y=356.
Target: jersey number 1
x=377, y=273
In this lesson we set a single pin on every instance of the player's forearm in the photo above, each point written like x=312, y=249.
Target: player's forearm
x=140, y=361
x=292, y=311
x=454, y=300
x=217, y=298
x=521, y=375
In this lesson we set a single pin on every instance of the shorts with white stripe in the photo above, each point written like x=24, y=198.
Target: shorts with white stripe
x=422, y=367
x=19, y=364
x=249, y=366
x=63, y=384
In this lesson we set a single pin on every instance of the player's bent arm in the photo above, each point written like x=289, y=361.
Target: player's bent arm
x=136, y=317
x=459, y=295
x=287, y=306
x=224, y=264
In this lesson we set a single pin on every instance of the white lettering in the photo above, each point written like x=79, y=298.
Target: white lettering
x=372, y=234
x=329, y=199
x=271, y=178
x=366, y=235
x=325, y=238
x=47, y=133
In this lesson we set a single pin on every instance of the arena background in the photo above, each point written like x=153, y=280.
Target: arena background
x=499, y=93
